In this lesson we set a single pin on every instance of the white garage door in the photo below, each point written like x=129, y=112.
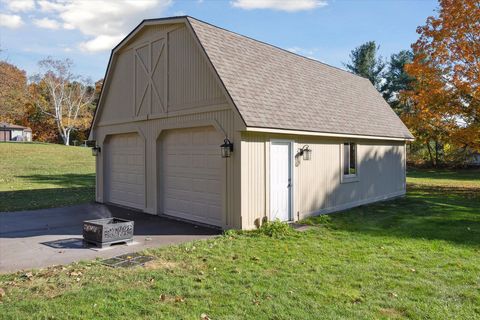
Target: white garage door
x=125, y=170
x=192, y=174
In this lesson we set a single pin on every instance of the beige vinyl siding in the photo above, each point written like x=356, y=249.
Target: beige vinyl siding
x=188, y=69
x=253, y=179
x=119, y=104
x=162, y=71
x=318, y=186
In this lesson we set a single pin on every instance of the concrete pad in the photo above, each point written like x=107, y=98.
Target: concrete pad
x=42, y=238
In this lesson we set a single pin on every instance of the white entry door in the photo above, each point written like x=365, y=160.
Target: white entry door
x=280, y=180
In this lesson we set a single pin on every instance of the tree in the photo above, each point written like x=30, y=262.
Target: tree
x=365, y=63
x=98, y=90
x=445, y=96
x=397, y=80
x=43, y=125
x=68, y=96
x=13, y=92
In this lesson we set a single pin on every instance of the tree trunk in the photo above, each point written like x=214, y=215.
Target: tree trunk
x=67, y=137
x=432, y=159
x=61, y=131
x=436, y=152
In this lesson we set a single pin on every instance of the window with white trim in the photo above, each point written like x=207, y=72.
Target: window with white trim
x=349, y=159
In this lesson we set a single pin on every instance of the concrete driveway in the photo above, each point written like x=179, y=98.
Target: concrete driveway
x=42, y=238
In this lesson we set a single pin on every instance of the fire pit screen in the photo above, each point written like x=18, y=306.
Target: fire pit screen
x=105, y=232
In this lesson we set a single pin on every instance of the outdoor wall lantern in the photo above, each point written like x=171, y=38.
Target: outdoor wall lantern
x=95, y=151
x=226, y=148
x=306, y=152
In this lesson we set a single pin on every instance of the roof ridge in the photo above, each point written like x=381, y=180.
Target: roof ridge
x=275, y=47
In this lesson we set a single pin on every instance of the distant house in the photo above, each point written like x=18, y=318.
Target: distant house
x=474, y=159
x=13, y=132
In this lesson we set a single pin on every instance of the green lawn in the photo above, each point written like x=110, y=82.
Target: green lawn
x=37, y=175
x=416, y=257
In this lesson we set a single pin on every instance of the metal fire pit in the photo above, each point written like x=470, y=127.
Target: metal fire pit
x=105, y=232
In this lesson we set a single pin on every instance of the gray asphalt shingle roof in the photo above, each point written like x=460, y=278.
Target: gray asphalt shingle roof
x=5, y=125
x=274, y=88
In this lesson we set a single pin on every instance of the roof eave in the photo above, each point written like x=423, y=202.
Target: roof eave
x=326, y=134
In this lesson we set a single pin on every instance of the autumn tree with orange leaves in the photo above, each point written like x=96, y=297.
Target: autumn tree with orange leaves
x=13, y=92
x=444, y=103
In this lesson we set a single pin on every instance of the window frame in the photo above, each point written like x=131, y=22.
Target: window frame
x=346, y=178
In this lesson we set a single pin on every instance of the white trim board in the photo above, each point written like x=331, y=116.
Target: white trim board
x=322, y=134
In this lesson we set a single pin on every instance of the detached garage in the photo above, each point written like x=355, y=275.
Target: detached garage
x=199, y=123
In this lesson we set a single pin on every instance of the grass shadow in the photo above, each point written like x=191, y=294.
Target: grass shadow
x=45, y=198
x=427, y=212
x=61, y=180
x=445, y=174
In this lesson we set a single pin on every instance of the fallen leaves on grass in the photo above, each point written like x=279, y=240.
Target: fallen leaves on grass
x=28, y=276
x=161, y=264
x=176, y=299
x=391, y=313
x=357, y=300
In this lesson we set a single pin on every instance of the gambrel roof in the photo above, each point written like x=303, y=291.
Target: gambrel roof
x=274, y=88
x=277, y=89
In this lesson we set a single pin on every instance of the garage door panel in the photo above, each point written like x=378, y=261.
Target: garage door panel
x=192, y=174
x=125, y=170
x=206, y=186
x=177, y=205
x=199, y=161
x=175, y=183
x=214, y=162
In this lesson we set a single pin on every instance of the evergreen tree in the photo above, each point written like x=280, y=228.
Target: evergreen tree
x=397, y=80
x=364, y=62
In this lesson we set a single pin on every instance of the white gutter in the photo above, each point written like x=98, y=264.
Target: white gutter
x=324, y=134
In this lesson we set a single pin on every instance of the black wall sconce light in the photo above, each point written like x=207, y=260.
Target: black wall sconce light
x=96, y=151
x=226, y=148
x=306, y=152
x=95, y=148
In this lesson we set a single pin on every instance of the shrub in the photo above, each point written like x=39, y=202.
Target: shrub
x=323, y=219
x=231, y=233
x=275, y=229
